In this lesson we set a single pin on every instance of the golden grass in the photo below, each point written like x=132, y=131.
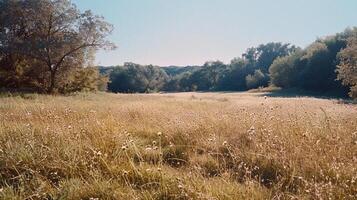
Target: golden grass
x=211, y=146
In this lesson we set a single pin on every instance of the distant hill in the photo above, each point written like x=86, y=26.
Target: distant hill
x=169, y=70
x=175, y=70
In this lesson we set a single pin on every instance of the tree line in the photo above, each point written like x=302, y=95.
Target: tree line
x=48, y=46
x=327, y=66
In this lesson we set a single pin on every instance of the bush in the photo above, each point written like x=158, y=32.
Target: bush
x=258, y=79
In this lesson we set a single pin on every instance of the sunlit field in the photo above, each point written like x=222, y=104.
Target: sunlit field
x=177, y=146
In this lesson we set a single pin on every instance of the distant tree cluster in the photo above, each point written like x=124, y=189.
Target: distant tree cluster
x=315, y=67
x=48, y=46
x=326, y=66
x=137, y=78
x=249, y=71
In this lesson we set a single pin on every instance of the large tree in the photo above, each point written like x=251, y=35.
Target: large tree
x=50, y=37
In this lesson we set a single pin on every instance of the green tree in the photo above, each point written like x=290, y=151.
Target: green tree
x=347, y=68
x=284, y=70
x=256, y=80
x=137, y=78
x=243, y=70
x=51, y=37
x=314, y=68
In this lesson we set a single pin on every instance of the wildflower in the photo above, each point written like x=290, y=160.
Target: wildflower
x=171, y=144
x=127, y=133
x=154, y=142
x=148, y=149
x=159, y=169
x=251, y=130
x=225, y=174
x=304, y=134
x=124, y=148
x=125, y=172
x=225, y=143
x=159, y=134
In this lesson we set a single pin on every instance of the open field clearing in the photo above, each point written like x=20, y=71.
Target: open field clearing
x=177, y=146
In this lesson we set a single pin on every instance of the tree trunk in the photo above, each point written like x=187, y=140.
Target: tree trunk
x=52, y=82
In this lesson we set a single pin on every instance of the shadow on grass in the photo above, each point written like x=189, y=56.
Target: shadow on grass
x=291, y=93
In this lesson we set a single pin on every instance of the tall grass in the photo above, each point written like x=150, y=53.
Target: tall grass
x=106, y=146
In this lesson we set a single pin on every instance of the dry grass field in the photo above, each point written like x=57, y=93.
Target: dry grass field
x=177, y=146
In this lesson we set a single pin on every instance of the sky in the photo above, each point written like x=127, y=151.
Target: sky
x=191, y=32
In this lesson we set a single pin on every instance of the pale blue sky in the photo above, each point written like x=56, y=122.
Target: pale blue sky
x=190, y=32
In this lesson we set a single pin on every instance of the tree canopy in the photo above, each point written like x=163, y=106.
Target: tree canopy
x=44, y=44
x=314, y=68
x=137, y=78
x=347, y=68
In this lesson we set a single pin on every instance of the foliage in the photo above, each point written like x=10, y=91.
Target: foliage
x=212, y=76
x=44, y=42
x=347, y=69
x=314, y=68
x=284, y=70
x=256, y=80
x=83, y=79
x=137, y=78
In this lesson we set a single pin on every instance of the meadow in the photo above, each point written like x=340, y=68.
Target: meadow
x=177, y=146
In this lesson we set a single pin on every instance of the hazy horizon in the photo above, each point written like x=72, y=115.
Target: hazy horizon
x=177, y=32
